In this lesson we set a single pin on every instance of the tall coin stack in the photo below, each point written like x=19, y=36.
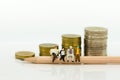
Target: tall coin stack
x=45, y=48
x=71, y=40
x=95, y=41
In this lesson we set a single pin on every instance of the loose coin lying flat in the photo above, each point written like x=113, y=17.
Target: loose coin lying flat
x=24, y=54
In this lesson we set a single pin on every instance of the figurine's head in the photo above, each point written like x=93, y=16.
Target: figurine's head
x=56, y=47
x=78, y=46
x=63, y=48
x=70, y=47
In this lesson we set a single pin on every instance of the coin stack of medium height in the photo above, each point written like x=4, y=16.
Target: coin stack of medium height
x=44, y=48
x=95, y=41
x=71, y=40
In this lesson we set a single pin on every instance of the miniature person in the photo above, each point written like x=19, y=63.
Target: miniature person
x=62, y=54
x=54, y=52
x=70, y=53
x=77, y=54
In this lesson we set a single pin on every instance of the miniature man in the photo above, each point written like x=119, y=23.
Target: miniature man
x=54, y=52
x=77, y=54
x=62, y=54
x=70, y=53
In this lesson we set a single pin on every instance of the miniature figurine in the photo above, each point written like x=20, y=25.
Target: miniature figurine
x=70, y=53
x=54, y=52
x=62, y=54
x=77, y=54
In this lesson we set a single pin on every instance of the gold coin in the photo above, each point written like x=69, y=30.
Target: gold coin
x=96, y=30
x=24, y=54
x=70, y=36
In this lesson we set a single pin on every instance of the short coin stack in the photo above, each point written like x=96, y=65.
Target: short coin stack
x=95, y=41
x=71, y=40
x=45, y=48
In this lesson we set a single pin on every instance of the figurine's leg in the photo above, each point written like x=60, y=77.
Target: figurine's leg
x=79, y=57
x=72, y=57
x=60, y=57
x=54, y=57
x=64, y=58
x=76, y=58
x=67, y=57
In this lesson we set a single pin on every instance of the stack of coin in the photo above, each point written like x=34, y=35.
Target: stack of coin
x=71, y=40
x=45, y=48
x=24, y=54
x=95, y=41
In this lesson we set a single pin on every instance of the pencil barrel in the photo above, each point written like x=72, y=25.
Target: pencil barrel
x=83, y=60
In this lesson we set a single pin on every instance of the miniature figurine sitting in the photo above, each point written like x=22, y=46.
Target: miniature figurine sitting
x=54, y=52
x=77, y=55
x=62, y=54
x=70, y=53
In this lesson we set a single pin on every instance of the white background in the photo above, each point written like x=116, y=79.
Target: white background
x=24, y=24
